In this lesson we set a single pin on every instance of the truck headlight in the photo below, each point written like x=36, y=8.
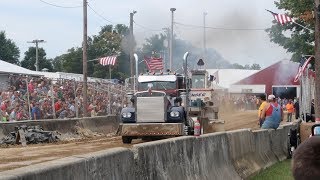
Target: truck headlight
x=126, y=115
x=174, y=114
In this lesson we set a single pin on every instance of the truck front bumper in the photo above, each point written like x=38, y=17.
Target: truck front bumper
x=152, y=129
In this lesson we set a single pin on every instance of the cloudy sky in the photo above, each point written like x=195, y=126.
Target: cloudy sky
x=61, y=28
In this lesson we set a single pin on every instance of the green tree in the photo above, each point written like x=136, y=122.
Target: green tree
x=156, y=45
x=247, y=66
x=57, y=64
x=29, y=59
x=111, y=40
x=71, y=61
x=300, y=41
x=9, y=52
x=255, y=67
x=237, y=66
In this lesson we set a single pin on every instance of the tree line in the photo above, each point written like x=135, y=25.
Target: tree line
x=113, y=40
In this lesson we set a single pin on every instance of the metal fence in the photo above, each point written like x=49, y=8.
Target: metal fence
x=28, y=97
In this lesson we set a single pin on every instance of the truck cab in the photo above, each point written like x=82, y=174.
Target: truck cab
x=155, y=109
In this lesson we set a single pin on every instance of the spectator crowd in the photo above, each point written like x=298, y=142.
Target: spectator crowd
x=36, y=98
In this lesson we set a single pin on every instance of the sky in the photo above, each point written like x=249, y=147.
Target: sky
x=61, y=28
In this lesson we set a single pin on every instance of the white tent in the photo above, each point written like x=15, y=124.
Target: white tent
x=8, y=68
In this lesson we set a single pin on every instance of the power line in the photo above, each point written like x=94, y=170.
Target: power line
x=55, y=5
x=222, y=28
x=144, y=27
x=98, y=14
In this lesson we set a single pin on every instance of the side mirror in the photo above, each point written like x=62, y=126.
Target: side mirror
x=315, y=130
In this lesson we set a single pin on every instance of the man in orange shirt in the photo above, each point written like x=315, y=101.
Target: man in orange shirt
x=290, y=110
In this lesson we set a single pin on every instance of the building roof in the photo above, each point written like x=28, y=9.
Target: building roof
x=227, y=77
x=6, y=67
x=280, y=73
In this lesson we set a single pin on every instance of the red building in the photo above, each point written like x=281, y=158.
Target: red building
x=277, y=79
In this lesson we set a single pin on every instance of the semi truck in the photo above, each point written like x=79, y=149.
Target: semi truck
x=166, y=105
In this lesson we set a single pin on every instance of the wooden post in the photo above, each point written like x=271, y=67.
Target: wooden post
x=317, y=60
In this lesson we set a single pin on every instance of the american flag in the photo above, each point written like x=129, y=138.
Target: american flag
x=154, y=63
x=109, y=60
x=302, y=67
x=281, y=18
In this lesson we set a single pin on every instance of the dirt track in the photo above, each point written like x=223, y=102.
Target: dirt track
x=14, y=157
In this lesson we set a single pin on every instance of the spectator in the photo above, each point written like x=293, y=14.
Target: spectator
x=261, y=107
x=41, y=93
x=36, y=112
x=306, y=158
x=58, y=105
x=13, y=114
x=271, y=114
x=290, y=110
x=63, y=112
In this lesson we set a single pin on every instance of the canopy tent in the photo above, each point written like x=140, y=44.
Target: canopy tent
x=8, y=68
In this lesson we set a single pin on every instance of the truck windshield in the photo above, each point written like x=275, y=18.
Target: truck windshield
x=198, y=81
x=157, y=85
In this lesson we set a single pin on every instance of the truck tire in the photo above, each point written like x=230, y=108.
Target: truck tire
x=126, y=139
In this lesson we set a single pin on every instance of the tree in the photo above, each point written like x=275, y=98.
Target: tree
x=237, y=66
x=57, y=64
x=9, y=52
x=111, y=40
x=255, y=67
x=301, y=41
x=29, y=59
x=155, y=45
x=72, y=61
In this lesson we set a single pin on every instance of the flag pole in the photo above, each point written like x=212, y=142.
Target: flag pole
x=291, y=21
x=302, y=26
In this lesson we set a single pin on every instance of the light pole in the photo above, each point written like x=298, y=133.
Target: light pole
x=167, y=48
x=131, y=44
x=37, y=41
x=171, y=37
x=204, y=36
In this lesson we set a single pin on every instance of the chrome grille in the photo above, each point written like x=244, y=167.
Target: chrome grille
x=151, y=109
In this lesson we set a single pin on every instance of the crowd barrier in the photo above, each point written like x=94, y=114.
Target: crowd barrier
x=226, y=155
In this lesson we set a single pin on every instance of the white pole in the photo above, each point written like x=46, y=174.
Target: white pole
x=171, y=37
x=137, y=73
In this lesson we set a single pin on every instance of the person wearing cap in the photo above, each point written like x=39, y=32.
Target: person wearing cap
x=271, y=114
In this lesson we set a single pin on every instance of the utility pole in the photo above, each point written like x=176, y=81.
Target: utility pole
x=37, y=41
x=171, y=37
x=131, y=44
x=204, y=37
x=84, y=58
x=317, y=60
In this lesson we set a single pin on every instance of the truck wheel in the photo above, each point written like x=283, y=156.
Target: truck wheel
x=126, y=139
